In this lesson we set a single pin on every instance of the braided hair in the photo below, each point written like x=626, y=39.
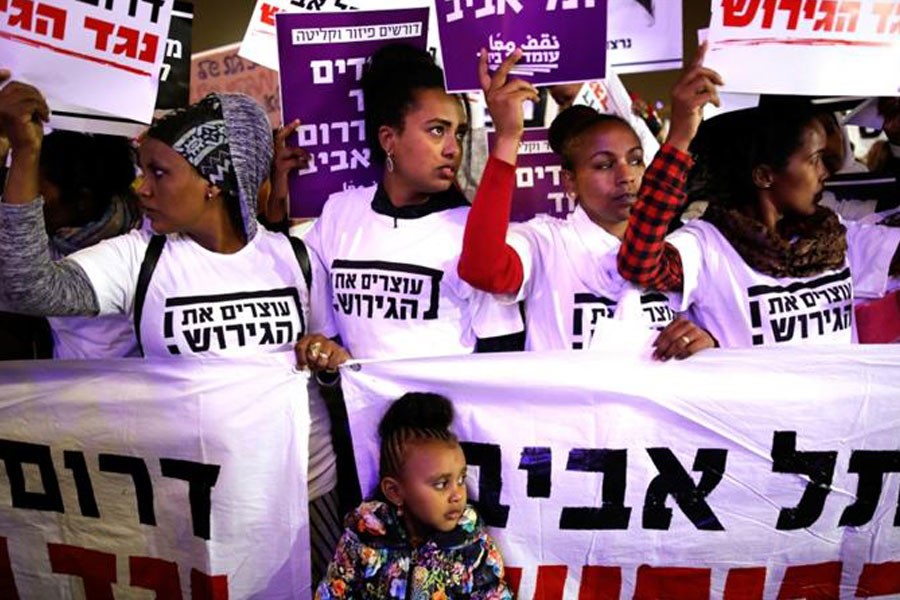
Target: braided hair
x=569, y=125
x=413, y=418
x=391, y=78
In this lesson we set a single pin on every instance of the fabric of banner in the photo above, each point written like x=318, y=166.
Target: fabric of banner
x=174, y=476
x=735, y=474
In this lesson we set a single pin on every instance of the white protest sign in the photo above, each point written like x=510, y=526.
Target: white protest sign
x=186, y=478
x=643, y=35
x=715, y=477
x=814, y=48
x=105, y=57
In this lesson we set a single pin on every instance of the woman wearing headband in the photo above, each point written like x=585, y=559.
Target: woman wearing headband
x=203, y=279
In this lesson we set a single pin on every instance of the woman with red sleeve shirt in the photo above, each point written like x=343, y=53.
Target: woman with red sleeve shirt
x=565, y=270
x=765, y=264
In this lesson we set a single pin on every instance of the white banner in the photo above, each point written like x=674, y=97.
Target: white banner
x=643, y=35
x=104, y=56
x=814, y=47
x=757, y=473
x=261, y=46
x=184, y=477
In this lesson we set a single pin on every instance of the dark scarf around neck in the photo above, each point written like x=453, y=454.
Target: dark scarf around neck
x=802, y=246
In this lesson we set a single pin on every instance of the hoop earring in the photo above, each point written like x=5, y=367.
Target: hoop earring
x=389, y=162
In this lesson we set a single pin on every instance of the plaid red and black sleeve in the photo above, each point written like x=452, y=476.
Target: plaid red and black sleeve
x=645, y=258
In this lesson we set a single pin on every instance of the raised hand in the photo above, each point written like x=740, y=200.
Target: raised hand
x=504, y=97
x=23, y=111
x=696, y=86
x=286, y=159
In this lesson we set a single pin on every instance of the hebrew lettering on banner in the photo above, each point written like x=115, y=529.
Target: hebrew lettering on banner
x=161, y=478
x=562, y=41
x=327, y=52
x=602, y=476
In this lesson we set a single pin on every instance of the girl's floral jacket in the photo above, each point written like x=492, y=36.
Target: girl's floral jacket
x=374, y=560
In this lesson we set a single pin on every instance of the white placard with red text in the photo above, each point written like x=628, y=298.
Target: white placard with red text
x=104, y=56
x=814, y=47
x=184, y=477
x=606, y=477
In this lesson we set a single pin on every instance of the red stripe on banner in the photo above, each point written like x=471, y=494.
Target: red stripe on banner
x=513, y=577
x=879, y=580
x=600, y=583
x=745, y=584
x=812, y=582
x=7, y=580
x=684, y=583
x=64, y=51
x=155, y=574
x=803, y=42
x=208, y=587
x=551, y=582
x=96, y=569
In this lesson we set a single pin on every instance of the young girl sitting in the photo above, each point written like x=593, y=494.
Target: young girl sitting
x=418, y=533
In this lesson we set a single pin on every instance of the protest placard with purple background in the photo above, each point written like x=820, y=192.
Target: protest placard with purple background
x=322, y=58
x=562, y=41
x=539, y=186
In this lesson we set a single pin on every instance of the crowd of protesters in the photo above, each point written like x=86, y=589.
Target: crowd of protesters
x=74, y=249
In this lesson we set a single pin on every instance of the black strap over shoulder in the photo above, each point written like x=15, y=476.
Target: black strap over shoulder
x=302, y=259
x=151, y=257
x=148, y=265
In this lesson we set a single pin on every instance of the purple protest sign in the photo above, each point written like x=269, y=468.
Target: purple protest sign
x=539, y=186
x=322, y=58
x=562, y=41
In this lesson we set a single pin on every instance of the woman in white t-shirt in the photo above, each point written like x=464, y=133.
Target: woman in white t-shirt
x=391, y=249
x=205, y=281
x=765, y=264
x=565, y=270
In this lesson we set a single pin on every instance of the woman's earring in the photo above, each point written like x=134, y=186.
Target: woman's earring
x=209, y=194
x=389, y=162
x=399, y=510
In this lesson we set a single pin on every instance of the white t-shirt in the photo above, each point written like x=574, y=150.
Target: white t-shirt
x=395, y=289
x=202, y=302
x=571, y=281
x=742, y=307
x=92, y=338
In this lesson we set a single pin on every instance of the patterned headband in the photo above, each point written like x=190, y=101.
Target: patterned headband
x=199, y=135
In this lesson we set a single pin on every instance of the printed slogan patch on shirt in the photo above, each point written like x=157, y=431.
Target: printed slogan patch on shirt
x=194, y=324
x=657, y=313
x=802, y=310
x=373, y=289
x=587, y=310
